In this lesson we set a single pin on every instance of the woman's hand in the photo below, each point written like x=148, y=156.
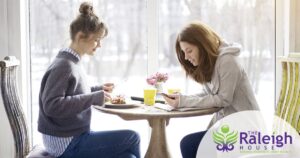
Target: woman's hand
x=172, y=99
x=107, y=96
x=108, y=87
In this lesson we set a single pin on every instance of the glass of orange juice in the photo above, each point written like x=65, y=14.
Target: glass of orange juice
x=149, y=96
x=173, y=90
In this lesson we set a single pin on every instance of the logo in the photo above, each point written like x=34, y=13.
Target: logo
x=246, y=133
x=250, y=141
x=225, y=139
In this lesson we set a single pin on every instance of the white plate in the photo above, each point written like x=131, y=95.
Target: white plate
x=120, y=106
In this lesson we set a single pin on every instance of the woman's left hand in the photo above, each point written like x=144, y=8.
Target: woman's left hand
x=172, y=99
x=107, y=97
x=108, y=87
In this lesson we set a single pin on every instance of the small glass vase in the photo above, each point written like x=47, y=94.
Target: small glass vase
x=159, y=87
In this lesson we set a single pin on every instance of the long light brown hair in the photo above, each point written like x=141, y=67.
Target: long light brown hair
x=208, y=42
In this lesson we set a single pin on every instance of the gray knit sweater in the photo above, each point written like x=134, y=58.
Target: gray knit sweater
x=65, y=99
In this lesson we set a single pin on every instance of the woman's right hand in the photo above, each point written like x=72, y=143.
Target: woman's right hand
x=108, y=87
x=172, y=99
x=107, y=96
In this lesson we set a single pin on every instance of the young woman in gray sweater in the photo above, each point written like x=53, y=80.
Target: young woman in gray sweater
x=212, y=62
x=65, y=100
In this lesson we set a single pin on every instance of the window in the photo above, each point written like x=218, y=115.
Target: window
x=248, y=22
x=124, y=55
x=121, y=59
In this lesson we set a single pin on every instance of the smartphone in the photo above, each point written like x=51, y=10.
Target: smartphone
x=166, y=95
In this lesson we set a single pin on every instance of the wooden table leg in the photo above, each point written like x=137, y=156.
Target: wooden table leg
x=158, y=147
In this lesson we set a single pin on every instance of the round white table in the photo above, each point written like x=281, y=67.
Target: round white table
x=158, y=120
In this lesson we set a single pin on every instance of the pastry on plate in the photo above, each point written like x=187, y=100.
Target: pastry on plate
x=119, y=99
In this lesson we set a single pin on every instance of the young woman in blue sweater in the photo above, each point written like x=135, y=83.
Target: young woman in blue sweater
x=65, y=100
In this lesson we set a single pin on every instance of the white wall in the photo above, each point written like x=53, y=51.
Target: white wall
x=6, y=147
x=297, y=33
x=11, y=44
x=287, y=33
x=294, y=32
x=280, y=42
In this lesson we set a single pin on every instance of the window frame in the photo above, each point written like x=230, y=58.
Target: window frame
x=152, y=36
x=284, y=42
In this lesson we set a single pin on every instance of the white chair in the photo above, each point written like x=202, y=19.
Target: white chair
x=14, y=111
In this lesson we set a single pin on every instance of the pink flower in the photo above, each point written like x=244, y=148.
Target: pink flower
x=158, y=77
x=161, y=77
x=151, y=81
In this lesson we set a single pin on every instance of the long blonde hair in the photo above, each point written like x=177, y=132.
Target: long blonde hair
x=208, y=42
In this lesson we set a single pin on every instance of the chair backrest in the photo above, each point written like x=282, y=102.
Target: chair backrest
x=13, y=106
x=288, y=106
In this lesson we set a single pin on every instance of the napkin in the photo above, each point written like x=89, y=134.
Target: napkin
x=171, y=108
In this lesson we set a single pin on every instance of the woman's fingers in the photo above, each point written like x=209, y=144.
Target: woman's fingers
x=109, y=84
x=172, y=100
x=107, y=97
x=174, y=95
x=108, y=87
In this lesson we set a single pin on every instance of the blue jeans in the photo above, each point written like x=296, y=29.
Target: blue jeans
x=189, y=144
x=104, y=144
